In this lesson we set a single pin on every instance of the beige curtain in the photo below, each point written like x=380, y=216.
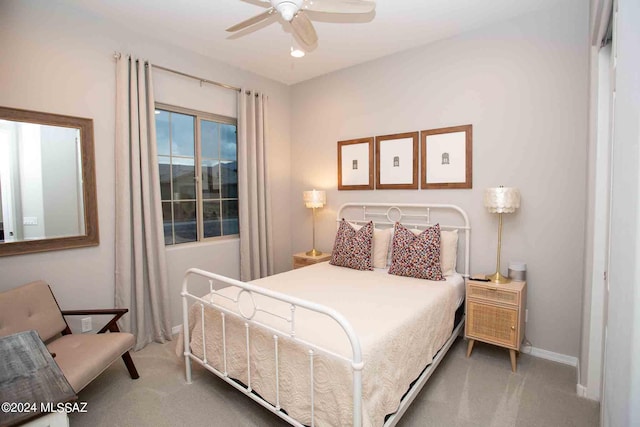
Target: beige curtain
x=140, y=265
x=256, y=248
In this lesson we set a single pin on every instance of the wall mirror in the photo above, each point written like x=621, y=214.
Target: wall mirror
x=47, y=182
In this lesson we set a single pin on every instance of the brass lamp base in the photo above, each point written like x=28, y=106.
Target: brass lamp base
x=313, y=252
x=498, y=278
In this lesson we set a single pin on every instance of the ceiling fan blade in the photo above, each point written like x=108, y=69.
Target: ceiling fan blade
x=303, y=28
x=251, y=21
x=340, y=6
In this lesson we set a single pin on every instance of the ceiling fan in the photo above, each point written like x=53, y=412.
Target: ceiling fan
x=293, y=11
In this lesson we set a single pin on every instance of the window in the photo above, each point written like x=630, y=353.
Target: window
x=193, y=144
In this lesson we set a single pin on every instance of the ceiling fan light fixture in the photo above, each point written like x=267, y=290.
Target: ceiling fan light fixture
x=297, y=53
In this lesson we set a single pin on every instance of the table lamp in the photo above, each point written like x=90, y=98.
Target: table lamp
x=501, y=200
x=314, y=199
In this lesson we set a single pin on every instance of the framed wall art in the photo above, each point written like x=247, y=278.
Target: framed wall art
x=446, y=157
x=397, y=161
x=355, y=164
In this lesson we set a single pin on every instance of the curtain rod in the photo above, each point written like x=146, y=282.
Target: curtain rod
x=117, y=55
x=237, y=89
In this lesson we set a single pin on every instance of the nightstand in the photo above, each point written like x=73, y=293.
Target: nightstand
x=301, y=259
x=495, y=315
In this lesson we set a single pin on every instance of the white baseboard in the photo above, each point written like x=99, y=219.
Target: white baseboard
x=176, y=329
x=556, y=357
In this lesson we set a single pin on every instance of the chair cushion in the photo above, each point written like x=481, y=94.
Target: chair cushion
x=30, y=306
x=82, y=357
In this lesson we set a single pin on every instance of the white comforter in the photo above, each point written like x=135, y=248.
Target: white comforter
x=401, y=322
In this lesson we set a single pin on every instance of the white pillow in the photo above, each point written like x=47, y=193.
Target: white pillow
x=381, y=239
x=448, y=250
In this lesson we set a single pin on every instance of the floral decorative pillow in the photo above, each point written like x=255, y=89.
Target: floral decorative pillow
x=380, y=248
x=352, y=248
x=416, y=255
x=448, y=250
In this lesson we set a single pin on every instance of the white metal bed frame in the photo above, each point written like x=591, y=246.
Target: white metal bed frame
x=419, y=215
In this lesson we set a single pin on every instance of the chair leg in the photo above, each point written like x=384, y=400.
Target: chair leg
x=130, y=366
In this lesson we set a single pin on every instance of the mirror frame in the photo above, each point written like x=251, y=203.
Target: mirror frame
x=91, y=236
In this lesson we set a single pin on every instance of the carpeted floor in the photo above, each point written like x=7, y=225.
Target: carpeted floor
x=478, y=391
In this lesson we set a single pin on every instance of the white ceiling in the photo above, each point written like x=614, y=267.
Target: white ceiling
x=343, y=40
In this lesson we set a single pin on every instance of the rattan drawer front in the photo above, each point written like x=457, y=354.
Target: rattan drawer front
x=492, y=324
x=505, y=296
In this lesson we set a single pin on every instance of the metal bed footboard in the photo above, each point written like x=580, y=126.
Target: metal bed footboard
x=383, y=215
x=247, y=290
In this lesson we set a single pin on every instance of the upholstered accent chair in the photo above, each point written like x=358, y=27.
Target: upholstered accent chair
x=81, y=357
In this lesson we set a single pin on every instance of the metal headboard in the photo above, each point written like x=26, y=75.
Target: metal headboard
x=419, y=216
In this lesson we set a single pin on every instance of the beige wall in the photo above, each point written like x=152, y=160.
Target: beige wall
x=523, y=84
x=54, y=58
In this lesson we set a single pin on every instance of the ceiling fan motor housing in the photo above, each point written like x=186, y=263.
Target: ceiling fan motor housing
x=287, y=8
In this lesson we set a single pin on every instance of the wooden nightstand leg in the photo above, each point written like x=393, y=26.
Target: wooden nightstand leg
x=470, y=347
x=512, y=353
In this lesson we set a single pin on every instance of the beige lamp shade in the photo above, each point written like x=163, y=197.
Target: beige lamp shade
x=314, y=198
x=501, y=199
